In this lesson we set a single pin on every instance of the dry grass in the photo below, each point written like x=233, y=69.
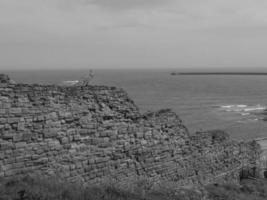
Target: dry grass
x=247, y=190
x=37, y=188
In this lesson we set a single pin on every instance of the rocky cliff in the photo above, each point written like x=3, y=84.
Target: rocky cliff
x=97, y=132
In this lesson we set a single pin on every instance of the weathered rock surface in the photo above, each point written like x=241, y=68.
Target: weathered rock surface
x=96, y=132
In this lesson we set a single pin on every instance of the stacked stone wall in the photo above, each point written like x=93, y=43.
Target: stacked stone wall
x=96, y=132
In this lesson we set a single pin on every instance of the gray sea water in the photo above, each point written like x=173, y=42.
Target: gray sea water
x=203, y=102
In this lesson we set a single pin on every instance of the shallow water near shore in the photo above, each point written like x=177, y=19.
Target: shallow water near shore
x=231, y=103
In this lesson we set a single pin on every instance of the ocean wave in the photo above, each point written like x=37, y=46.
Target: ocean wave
x=242, y=109
x=244, y=114
x=244, y=121
x=254, y=109
x=68, y=83
x=234, y=106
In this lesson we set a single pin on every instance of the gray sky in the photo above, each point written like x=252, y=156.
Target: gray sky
x=132, y=33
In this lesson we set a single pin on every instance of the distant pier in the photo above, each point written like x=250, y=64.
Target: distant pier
x=221, y=73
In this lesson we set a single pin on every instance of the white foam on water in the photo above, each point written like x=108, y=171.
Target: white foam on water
x=69, y=83
x=258, y=108
x=246, y=112
x=242, y=108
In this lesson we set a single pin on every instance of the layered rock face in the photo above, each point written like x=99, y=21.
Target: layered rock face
x=93, y=133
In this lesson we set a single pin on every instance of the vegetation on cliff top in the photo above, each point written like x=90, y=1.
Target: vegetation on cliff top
x=36, y=188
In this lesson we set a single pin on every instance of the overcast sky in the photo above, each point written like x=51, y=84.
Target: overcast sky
x=132, y=33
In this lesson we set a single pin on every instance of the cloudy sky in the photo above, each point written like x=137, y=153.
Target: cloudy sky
x=132, y=33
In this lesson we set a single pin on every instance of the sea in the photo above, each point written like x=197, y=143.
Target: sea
x=204, y=102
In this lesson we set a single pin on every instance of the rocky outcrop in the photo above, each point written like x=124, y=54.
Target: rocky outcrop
x=5, y=79
x=91, y=133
